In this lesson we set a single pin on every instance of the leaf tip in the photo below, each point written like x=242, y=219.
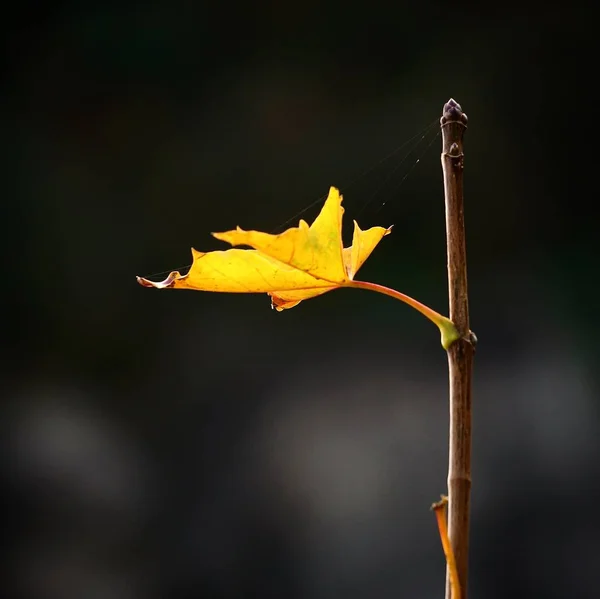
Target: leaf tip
x=231, y=237
x=143, y=282
x=280, y=304
x=335, y=197
x=168, y=282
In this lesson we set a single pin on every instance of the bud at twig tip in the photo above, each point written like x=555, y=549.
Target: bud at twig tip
x=452, y=112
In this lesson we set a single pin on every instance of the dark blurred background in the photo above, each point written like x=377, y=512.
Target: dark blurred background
x=179, y=445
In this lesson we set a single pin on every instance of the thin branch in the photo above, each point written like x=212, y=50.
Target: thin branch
x=460, y=353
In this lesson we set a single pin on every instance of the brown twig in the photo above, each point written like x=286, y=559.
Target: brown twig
x=440, y=513
x=460, y=353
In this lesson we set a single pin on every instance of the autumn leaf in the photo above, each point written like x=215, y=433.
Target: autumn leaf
x=298, y=264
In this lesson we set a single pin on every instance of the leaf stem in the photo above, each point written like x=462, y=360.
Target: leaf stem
x=440, y=513
x=460, y=354
x=447, y=329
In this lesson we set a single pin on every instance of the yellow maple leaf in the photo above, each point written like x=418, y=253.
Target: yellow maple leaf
x=298, y=264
